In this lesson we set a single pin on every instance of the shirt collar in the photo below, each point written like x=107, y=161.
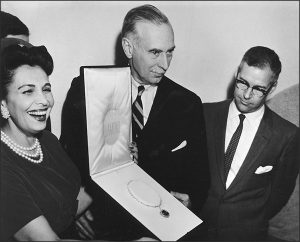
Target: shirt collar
x=253, y=118
x=137, y=84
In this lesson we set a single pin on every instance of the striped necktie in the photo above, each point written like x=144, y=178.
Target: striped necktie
x=229, y=154
x=137, y=114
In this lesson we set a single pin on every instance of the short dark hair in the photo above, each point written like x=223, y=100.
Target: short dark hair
x=10, y=24
x=15, y=56
x=261, y=57
x=144, y=13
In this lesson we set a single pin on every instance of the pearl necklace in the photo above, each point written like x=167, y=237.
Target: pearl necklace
x=23, y=151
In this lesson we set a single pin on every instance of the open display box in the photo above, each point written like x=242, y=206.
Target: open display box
x=108, y=113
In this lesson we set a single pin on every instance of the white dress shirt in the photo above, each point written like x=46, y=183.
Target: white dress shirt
x=250, y=126
x=147, y=97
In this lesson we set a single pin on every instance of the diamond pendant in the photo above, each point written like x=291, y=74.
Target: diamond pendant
x=164, y=213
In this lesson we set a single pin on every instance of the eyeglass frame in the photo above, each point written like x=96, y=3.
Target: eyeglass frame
x=257, y=88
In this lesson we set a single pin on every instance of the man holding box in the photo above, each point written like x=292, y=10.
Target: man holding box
x=168, y=128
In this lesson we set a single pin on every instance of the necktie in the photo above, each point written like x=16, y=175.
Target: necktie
x=137, y=114
x=229, y=154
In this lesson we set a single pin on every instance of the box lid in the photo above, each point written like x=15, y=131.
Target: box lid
x=108, y=114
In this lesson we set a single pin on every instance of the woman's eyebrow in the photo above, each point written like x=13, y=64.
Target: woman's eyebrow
x=26, y=85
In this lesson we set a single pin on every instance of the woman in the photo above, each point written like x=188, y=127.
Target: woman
x=39, y=183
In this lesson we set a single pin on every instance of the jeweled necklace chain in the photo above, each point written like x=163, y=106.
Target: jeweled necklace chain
x=144, y=203
x=163, y=212
x=24, y=151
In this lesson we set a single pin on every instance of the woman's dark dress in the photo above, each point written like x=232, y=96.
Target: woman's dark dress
x=29, y=190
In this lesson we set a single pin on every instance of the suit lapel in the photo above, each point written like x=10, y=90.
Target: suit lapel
x=261, y=139
x=219, y=133
x=158, y=102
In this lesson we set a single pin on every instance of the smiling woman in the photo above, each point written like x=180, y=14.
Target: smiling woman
x=26, y=93
x=29, y=97
x=40, y=184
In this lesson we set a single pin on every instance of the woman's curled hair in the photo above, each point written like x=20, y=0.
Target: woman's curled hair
x=15, y=56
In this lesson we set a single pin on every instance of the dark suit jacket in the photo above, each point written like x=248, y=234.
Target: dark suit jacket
x=242, y=211
x=176, y=116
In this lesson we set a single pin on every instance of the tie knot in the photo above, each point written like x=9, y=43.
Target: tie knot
x=141, y=89
x=242, y=117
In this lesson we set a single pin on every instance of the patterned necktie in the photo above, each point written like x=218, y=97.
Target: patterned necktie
x=137, y=114
x=229, y=154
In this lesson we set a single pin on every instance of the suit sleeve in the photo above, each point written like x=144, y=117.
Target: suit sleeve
x=286, y=172
x=199, y=171
x=73, y=131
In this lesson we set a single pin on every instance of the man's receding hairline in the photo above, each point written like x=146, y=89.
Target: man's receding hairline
x=134, y=32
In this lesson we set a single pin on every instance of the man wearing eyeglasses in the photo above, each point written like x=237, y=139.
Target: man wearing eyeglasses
x=253, y=153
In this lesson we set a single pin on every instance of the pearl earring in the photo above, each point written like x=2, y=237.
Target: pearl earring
x=4, y=112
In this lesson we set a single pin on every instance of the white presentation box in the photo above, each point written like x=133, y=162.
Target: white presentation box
x=108, y=113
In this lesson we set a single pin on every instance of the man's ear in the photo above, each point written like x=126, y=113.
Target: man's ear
x=274, y=85
x=237, y=71
x=127, y=47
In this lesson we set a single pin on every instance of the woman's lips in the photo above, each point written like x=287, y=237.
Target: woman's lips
x=39, y=115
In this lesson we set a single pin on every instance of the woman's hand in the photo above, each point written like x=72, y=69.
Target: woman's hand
x=133, y=151
x=83, y=226
x=84, y=201
x=84, y=216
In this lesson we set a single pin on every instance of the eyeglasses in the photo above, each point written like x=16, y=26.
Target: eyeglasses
x=256, y=90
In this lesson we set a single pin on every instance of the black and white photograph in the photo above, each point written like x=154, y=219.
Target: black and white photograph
x=149, y=121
